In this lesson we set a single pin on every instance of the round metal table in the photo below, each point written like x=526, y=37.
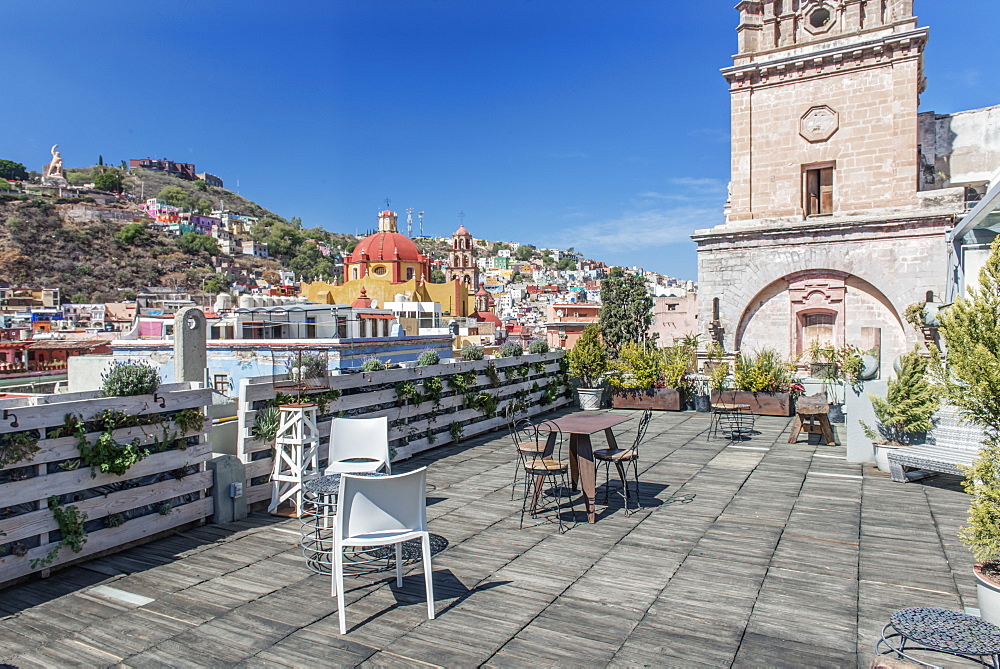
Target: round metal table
x=318, y=523
x=941, y=631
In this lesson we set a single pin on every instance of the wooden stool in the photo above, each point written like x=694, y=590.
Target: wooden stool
x=812, y=419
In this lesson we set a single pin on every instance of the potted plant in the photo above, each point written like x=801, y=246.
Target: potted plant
x=648, y=378
x=763, y=381
x=588, y=362
x=904, y=415
x=971, y=383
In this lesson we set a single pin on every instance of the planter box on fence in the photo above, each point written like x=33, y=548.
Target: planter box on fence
x=413, y=427
x=164, y=491
x=761, y=404
x=660, y=399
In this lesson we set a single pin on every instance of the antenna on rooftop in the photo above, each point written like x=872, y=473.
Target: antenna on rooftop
x=409, y=222
x=420, y=216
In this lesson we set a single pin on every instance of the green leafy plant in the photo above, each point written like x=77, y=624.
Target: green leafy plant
x=916, y=314
x=588, y=360
x=511, y=349
x=433, y=387
x=493, y=374
x=165, y=509
x=114, y=520
x=126, y=378
x=17, y=446
x=637, y=366
x=538, y=346
x=189, y=420
x=456, y=431
x=910, y=401
x=485, y=404
x=675, y=362
x=970, y=381
x=462, y=382
x=472, y=352
x=106, y=454
x=626, y=311
x=428, y=358
x=763, y=371
x=406, y=391
x=70, y=521
x=718, y=378
x=372, y=364
x=265, y=429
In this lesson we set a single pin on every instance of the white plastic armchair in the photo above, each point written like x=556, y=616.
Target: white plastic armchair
x=359, y=445
x=379, y=512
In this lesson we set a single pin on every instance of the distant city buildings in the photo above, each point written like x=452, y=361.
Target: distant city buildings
x=180, y=170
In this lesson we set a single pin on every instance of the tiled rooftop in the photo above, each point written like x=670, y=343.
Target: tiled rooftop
x=755, y=553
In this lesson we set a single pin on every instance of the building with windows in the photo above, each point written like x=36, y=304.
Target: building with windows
x=181, y=170
x=842, y=193
x=389, y=267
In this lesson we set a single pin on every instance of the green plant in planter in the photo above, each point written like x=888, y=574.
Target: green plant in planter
x=456, y=431
x=428, y=358
x=189, y=420
x=126, y=378
x=906, y=410
x=637, y=366
x=763, y=371
x=472, y=352
x=971, y=383
x=70, y=522
x=372, y=364
x=17, y=446
x=406, y=391
x=588, y=359
x=265, y=429
x=538, y=346
x=493, y=374
x=511, y=349
x=107, y=454
x=718, y=378
x=433, y=387
x=675, y=362
x=462, y=382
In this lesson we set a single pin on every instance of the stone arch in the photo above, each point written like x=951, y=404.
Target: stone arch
x=773, y=317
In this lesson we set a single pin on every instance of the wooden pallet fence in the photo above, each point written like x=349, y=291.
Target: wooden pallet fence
x=413, y=428
x=166, y=490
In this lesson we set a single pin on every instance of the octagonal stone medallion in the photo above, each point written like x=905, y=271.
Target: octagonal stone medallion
x=819, y=123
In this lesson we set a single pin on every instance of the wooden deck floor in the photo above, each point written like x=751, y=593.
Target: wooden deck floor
x=761, y=553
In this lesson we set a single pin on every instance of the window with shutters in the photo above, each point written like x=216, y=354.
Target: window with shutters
x=818, y=190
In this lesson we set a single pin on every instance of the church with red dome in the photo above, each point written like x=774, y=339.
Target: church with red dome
x=387, y=255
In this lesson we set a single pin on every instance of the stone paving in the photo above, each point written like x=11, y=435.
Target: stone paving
x=755, y=553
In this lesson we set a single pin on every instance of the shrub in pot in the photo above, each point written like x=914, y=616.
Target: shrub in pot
x=428, y=358
x=538, y=346
x=645, y=377
x=971, y=383
x=472, y=352
x=126, y=378
x=904, y=415
x=762, y=380
x=588, y=362
x=511, y=349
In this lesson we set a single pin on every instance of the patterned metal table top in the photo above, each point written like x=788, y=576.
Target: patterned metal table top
x=330, y=484
x=947, y=631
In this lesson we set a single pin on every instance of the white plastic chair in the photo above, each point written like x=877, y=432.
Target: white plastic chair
x=365, y=440
x=379, y=512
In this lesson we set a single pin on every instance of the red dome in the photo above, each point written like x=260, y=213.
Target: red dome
x=487, y=317
x=462, y=231
x=383, y=246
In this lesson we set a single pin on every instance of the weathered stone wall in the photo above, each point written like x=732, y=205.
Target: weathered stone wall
x=961, y=148
x=888, y=265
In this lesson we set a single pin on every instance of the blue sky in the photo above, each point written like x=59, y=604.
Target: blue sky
x=593, y=124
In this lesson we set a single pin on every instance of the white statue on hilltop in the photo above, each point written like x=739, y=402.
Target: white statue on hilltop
x=53, y=174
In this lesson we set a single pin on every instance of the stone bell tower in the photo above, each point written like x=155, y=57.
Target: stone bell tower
x=827, y=235
x=462, y=259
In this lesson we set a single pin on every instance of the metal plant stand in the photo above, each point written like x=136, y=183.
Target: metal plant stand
x=318, y=523
x=296, y=455
x=941, y=631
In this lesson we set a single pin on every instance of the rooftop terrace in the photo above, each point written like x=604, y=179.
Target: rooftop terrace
x=748, y=554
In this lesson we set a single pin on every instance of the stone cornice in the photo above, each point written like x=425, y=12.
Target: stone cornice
x=918, y=224
x=876, y=51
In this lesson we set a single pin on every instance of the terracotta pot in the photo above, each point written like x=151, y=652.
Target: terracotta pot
x=590, y=398
x=988, y=594
x=661, y=399
x=761, y=404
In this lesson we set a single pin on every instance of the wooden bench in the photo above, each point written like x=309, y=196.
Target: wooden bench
x=952, y=443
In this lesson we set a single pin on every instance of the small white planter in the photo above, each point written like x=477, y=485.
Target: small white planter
x=988, y=594
x=882, y=456
x=590, y=398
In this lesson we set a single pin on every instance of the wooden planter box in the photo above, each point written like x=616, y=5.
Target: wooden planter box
x=661, y=399
x=166, y=490
x=761, y=404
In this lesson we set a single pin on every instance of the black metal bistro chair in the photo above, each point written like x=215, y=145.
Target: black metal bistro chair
x=527, y=440
x=546, y=479
x=622, y=458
